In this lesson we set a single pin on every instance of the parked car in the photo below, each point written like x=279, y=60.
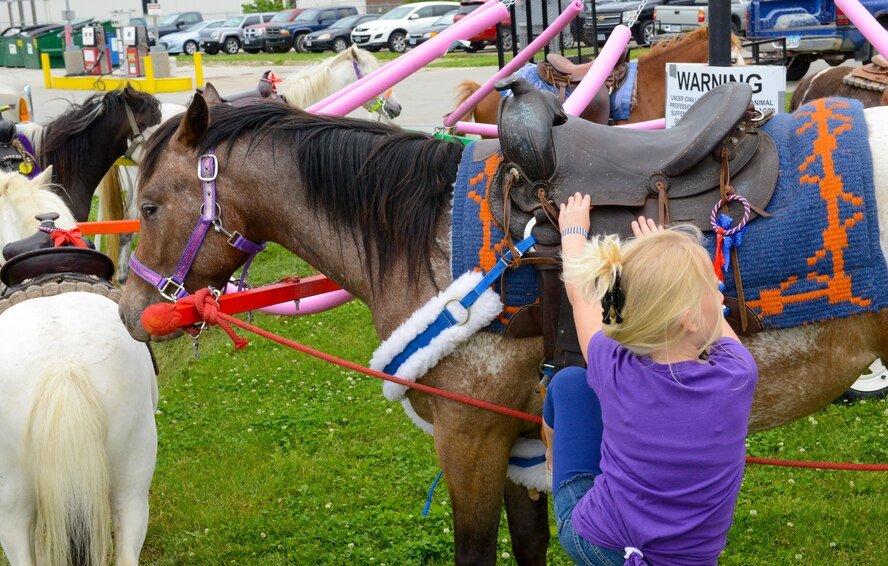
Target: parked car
x=188, y=41
x=487, y=36
x=392, y=29
x=172, y=23
x=336, y=37
x=422, y=35
x=282, y=38
x=609, y=15
x=254, y=35
x=229, y=35
x=815, y=29
x=676, y=19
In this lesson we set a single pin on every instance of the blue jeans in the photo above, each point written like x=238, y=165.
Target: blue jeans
x=580, y=550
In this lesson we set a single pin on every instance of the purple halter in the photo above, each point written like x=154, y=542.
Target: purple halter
x=173, y=287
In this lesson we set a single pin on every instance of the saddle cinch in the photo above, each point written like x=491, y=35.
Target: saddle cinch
x=674, y=175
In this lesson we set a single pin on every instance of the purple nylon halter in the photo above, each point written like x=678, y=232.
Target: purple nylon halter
x=173, y=287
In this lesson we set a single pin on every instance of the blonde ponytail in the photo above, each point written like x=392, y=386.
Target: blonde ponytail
x=663, y=277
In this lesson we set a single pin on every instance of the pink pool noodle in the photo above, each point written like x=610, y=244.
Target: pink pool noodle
x=308, y=305
x=490, y=130
x=601, y=68
x=866, y=23
x=406, y=65
x=318, y=106
x=523, y=57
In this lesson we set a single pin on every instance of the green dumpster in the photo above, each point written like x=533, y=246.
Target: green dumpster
x=11, y=52
x=43, y=40
x=56, y=47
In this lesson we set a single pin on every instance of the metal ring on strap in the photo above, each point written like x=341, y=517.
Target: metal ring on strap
x=468, y=311
x=713, y=216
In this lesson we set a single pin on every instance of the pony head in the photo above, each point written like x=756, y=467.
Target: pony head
x=22, y=199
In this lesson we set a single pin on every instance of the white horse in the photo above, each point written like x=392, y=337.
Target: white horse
x=77, y=402
x=319, y=81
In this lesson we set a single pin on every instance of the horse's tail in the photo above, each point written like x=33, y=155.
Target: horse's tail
x=66, y=443
x=464, y=90
x=111, y=207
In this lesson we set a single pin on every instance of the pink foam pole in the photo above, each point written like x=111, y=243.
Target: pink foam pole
x=318, y=106
x=308, y=305
x=871, y=29
x=490, y=130
x=414, y=60
x=587, y=89
x=523, y=57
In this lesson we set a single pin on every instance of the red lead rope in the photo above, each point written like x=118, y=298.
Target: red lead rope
x=205, y=302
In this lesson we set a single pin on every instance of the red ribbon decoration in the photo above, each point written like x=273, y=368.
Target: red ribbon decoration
x=62, y=237
x=719, y=260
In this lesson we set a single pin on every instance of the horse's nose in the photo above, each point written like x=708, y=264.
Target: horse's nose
x=392, y=107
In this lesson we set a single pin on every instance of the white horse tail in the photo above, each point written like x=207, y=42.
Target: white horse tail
x=66, y=442
x=111, y=207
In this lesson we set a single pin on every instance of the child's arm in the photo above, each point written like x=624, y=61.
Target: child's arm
x=549, y=432
x=727, y=331
x=587, y=317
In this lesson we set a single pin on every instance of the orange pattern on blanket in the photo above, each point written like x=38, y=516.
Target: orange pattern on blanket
x=487, y=253
x=837, y=285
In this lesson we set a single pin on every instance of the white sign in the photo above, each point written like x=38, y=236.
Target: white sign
x=153, y=9
x=686, y=82
x=12, y=49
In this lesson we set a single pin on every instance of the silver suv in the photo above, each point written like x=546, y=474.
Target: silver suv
x=229, y=36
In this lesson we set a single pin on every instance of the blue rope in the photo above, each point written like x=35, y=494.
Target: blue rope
x=428, y=504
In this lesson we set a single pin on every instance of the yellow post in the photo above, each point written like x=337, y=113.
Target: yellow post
x=198, y=69
x=47, y=76
x=149, y=75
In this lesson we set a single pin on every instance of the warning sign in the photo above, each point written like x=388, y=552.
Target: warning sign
x=686, y=82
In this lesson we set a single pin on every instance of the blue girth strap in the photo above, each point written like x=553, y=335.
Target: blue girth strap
x=446, y=319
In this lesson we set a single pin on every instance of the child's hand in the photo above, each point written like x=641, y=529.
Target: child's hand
x=644, y=227
x=575, y=213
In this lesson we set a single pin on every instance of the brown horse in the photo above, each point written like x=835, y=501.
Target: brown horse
x=368, y=205
x=830, y=82
x=650, y=81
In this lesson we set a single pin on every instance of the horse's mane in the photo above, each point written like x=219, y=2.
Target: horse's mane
x=699, y=34
x=386, y=183
x=21, y=199
x=312, y=84
x=63, y=144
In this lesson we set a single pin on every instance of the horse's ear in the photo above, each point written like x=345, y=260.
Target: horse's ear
x=211, y=95
x=45, y=177
x=194, y=123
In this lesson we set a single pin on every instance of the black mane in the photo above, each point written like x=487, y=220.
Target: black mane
x=388, y=183
x=64, y=145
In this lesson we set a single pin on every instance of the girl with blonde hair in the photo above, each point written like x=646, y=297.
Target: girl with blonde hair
x=647, y=445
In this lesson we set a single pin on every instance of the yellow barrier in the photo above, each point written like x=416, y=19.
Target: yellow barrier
x=149, y=84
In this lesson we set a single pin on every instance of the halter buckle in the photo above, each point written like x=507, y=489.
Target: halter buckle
x=177, y=288
x=215, y=168
x=232, y=238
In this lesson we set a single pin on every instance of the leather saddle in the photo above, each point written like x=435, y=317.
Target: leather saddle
x=562, y=73
x=671, y=174
x=265, y=90
x=35, y=256
x=11, y=158
x=872, y=76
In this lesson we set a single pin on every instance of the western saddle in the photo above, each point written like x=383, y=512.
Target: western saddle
x=872, y=76
x=674, y=175
x=562, y=73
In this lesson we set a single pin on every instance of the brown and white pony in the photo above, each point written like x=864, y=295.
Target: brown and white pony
x=829, y=82
x=368, y=205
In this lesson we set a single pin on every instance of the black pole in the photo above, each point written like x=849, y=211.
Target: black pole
x=720, y=33
x=500, y=56
x=529, y=19
x=594, y=30
x=514, y=28
x=545, y=15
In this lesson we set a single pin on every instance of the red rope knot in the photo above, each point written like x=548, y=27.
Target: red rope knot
x=207, y=306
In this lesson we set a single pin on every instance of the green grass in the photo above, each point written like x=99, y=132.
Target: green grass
x=270, y=457
x=455, y=59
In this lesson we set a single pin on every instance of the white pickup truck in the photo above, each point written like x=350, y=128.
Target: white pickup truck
x=674, y=19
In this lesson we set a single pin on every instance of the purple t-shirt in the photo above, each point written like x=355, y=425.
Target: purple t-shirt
x=672, y=452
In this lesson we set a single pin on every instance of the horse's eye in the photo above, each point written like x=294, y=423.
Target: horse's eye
x=148, y=210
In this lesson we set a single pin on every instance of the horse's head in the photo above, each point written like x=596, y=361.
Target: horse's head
x=386, y=104
x=170, y=203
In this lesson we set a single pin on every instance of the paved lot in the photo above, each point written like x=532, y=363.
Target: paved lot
x=425, y=96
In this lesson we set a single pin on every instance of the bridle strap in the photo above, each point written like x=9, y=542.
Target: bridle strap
x=210, y=216
x=138, y=135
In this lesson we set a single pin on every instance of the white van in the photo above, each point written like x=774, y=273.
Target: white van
x=393, y=28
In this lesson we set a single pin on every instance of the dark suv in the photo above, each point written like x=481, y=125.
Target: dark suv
x=282, y=37
x=609, y=15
